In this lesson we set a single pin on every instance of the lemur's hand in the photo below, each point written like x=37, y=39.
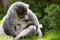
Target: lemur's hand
x=29, y=23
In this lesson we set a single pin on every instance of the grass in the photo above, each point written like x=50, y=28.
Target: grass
x=0, y=21
x=5, y=38
x=49, y=35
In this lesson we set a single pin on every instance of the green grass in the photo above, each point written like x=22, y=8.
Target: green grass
x=5, y=38
x=51, y=35
x=0, y=21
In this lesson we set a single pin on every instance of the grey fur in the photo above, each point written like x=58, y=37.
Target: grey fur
x=9, y=20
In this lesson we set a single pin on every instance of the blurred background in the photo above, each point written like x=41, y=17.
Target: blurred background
x=47, y=11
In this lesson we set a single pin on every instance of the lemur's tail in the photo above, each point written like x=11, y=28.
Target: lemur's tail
x=1, y=30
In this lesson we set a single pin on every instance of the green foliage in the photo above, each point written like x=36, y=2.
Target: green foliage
x=52, y=11
x=5, y=37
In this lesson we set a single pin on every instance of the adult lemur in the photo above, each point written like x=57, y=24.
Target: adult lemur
x=19, y=15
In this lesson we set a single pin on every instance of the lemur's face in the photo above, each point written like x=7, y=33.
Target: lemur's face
x=21, y=11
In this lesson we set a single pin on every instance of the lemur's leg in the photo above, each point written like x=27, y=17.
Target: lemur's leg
x=39, y=32
x=31, y=30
